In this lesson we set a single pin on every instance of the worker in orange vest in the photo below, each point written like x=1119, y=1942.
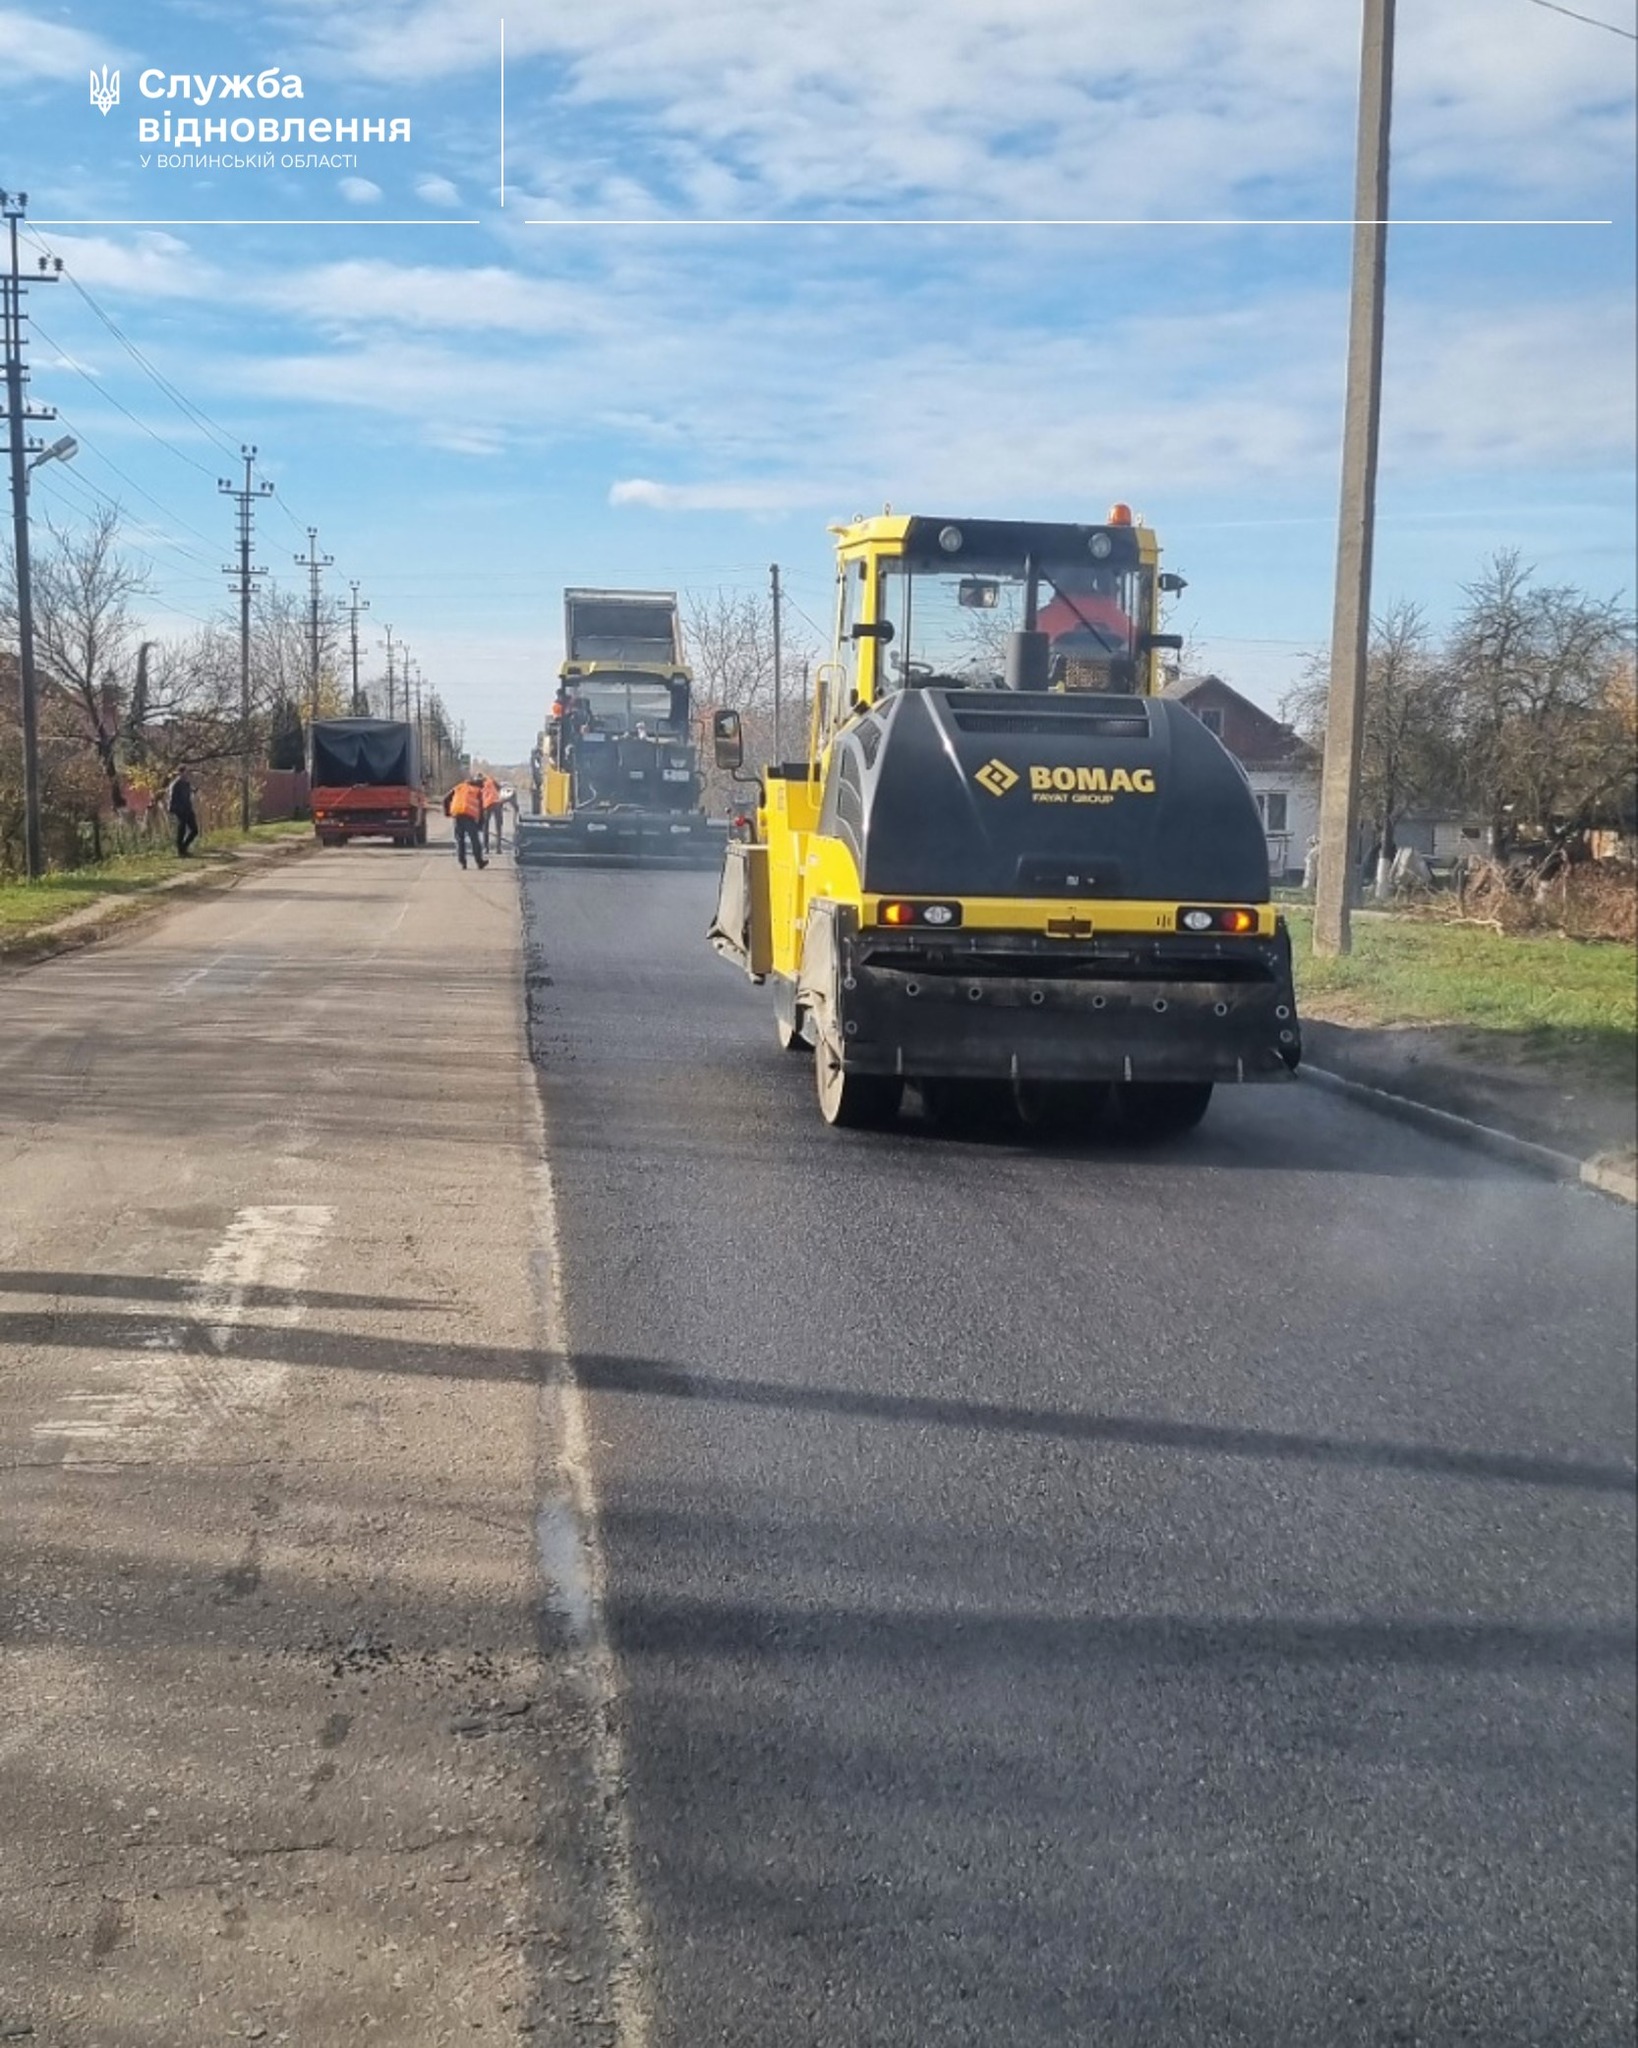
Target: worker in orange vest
x=491, y=812
x=464, y=804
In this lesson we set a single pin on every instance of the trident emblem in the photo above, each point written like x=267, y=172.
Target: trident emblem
x=105, y=90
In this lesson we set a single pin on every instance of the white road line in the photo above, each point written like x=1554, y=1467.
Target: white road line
x=161, y=1402
x=570, y=1545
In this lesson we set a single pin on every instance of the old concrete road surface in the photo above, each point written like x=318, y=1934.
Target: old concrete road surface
x=1084, y=1599
x=290, y=1748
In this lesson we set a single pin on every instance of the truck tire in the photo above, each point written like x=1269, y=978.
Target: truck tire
x=853, y=1101
x=421, y=833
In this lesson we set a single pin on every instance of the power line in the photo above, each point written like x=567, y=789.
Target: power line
x=1591, y=22
x=192, y=413
x=803, y=616
x=103, y=392
x=108, y=462
x=185, y=405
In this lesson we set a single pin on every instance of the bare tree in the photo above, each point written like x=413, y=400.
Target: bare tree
x=1408, y=750
x=83, y=584
x=729, y=639
x=281, y=655
x=1546, y=742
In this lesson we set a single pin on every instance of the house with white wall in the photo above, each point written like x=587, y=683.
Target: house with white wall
x=1283, y=770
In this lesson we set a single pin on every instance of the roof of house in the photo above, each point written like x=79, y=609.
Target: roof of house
x=1254, y=736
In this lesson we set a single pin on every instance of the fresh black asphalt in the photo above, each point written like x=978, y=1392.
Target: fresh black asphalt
x=1083, y=1596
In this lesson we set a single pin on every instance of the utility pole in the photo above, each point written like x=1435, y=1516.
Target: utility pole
x=403, y=677
x=359, y=604
x=18, y=414
x=439, y=725
x=247, y=496
x=315, y=564
x=389, y=672
x=1351, y=618
x=773, y=578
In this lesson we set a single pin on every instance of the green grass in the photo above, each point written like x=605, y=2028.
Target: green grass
x=26, y=906
x=1554, y=1000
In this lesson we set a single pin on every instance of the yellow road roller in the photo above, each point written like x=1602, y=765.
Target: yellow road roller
x=1008, y=870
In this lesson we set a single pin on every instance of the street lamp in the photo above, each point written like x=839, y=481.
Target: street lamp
x=63, y=449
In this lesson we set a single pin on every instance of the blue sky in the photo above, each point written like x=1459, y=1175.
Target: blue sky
x=473, y=415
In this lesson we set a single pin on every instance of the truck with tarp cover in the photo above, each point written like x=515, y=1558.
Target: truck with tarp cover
x=365, y=781
x=1008, y=871
x=616, y=773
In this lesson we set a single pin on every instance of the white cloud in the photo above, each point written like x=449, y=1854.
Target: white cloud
x=147, y=264
x=948, y=387
x=1016, y=107
x=753, y=498
x=363, y=295
x=437, y=191
x=32, y=48
x=359, y=191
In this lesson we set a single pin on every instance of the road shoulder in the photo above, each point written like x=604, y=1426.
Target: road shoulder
x=1574, y=1126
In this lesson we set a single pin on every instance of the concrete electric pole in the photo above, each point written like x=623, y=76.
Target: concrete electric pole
x=247, y=494
x=359, y=604
x=18, y=414
x=778, y=679
x=315, y=564
x=1351, y=618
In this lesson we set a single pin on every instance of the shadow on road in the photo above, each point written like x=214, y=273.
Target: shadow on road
x=153, y=1287
x=316, y=1349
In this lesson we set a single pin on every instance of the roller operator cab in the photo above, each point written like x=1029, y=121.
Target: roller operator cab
x=1008, y=868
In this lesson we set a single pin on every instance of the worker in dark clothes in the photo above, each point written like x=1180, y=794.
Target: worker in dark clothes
x=464, y=804
x=179, y=802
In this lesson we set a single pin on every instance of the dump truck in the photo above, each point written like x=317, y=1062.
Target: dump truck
x=616, y=775
x=365, y=781
x=1007, y=871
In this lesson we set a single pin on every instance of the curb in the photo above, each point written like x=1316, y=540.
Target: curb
x=95, y=921
x=1610, y=1176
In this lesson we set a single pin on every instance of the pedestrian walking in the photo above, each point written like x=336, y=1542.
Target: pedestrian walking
x=185, y=819
x=507, y=800
x=464, y=804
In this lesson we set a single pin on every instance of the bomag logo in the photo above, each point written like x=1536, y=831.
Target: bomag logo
x=996, y=777
x=1094, y=781
x=1088, y=785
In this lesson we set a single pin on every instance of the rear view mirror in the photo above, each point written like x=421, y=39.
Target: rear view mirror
x=978, y=593
x=727, y=739
x=882, y=630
